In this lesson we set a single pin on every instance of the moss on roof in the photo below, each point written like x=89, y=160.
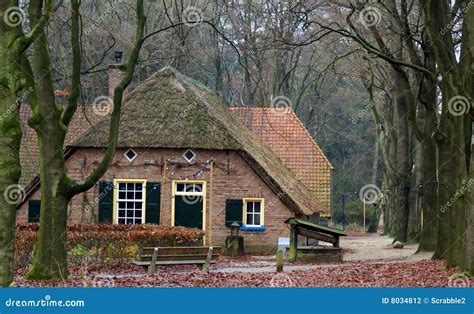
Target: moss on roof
x=171, y=110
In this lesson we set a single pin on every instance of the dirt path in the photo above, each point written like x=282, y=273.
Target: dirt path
x=367, y=248
x=377, y=247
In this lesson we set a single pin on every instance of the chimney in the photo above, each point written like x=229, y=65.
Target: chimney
x=116, y=73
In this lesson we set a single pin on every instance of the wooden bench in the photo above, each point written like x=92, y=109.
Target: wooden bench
x=196, y=255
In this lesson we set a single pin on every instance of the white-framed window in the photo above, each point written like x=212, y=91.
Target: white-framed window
x=253, y=212
x=183, y=188
x=189, y=155
x=130, y=154
x=130, y=202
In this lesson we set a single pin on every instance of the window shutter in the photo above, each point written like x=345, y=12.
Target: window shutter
x=153, y=194
x=233, y=211
x=34, y=207
x=106, y=201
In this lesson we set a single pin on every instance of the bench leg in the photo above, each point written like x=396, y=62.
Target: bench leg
x=152, y=267
x=205, y=267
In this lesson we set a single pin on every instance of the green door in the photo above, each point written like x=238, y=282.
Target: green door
x=188, y=211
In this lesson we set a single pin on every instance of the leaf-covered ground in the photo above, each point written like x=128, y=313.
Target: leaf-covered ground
x=425, y=273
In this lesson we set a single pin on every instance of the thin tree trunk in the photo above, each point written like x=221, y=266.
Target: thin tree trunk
x=414, y=226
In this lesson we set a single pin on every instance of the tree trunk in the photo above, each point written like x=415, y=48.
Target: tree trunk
x=403, y=160
x=10, y=138
x=467, y=264
x=50, y=123
x=414, y=226
x=452, y=172
x=429, y=177
x=50, y=256
x=429, y=183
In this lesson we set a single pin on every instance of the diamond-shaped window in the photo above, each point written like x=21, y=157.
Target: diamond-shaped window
x=189, y=155
x=130, y=154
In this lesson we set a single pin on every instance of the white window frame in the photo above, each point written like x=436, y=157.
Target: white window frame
x=262, y=211
x=189, y=160
x=117, y=200
x=194, y=191
x=130, y=159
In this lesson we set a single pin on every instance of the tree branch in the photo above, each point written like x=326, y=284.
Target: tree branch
x=76, y=187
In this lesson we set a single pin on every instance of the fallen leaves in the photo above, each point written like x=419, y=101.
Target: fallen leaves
x=425, y=273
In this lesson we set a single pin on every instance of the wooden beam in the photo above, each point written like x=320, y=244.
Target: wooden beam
x=152, y=267
x=293, y=244
x=316, y=235
x=205, y=267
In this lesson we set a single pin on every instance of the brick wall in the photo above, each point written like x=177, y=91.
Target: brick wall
x=232, y=178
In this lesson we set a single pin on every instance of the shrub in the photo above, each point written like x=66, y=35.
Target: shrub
x=99, y=243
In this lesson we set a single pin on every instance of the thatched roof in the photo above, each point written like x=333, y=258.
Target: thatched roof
x=173, y=111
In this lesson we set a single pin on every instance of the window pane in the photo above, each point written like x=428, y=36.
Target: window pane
x=256, y=218
x=121, y=221
x=249, y=219
x=189, y=188
x=130, y=186
x=122, y=186
x=138, y=221
x=138, y=195
x=138, y=186
x=249, y=207
x=180, y=187
x=257, y=206
x=121, y=205
x=129, y=213
x=138, y=205
x=122, y=195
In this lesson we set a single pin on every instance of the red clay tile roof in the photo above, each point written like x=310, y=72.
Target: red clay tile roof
x=290, y=140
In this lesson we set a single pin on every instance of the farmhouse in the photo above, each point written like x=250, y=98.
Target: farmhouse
x=186, y=159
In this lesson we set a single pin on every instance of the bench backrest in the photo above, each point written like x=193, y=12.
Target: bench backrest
x=179, y=253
